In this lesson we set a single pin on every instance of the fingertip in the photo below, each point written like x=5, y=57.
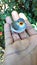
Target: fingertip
x=15, y=15
x=8, y=20
x=21, y=15
x=14, y=11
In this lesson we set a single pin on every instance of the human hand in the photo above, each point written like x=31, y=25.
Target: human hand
x=20, y=49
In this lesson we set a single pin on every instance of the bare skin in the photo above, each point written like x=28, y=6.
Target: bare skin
x=20, y=49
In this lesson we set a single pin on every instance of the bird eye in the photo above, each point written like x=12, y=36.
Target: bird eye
x=21, y=23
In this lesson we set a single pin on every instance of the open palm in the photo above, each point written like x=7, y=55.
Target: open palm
x=20, y=49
